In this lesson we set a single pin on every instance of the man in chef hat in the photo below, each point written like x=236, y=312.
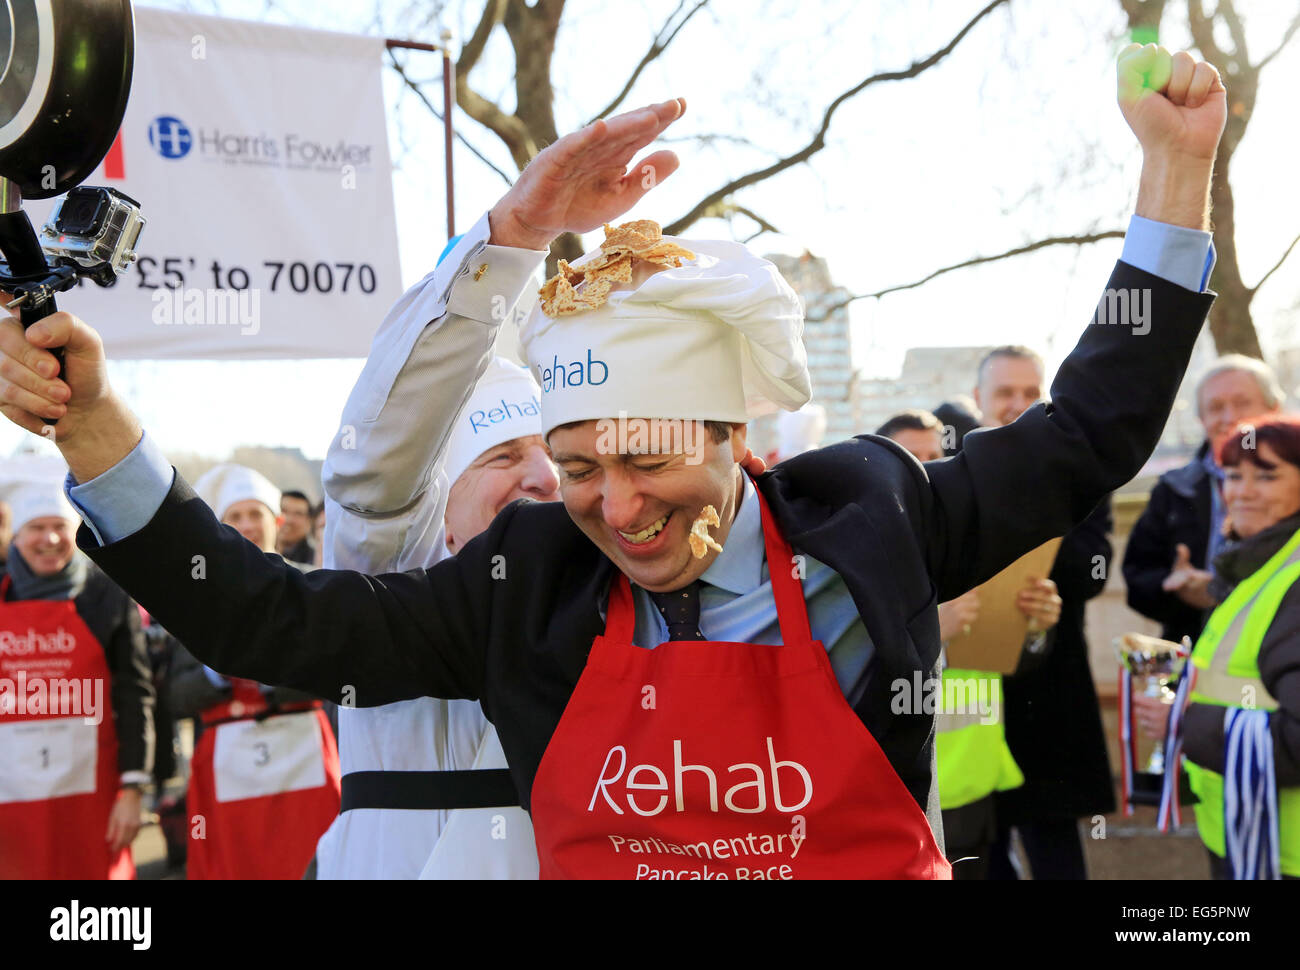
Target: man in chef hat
x=274, y=831
x=716, y=338
x=547, y=646
x=494, y=455
x=244, y=500
x=77, y=820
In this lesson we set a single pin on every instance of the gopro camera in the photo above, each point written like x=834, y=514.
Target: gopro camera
x=94, y=231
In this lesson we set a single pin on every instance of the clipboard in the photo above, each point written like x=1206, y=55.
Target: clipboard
x=998, y=633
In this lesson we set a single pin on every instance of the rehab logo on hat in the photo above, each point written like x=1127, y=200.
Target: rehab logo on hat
x=574, y=375
x=503, y=406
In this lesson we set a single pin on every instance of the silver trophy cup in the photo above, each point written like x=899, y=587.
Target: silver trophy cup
x=1153, y=663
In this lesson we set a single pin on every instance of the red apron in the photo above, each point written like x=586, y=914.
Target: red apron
x=712, y=760
x=262, y=791
x=58, y=773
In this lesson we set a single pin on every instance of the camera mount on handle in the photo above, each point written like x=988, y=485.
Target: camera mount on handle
x=91, y=233
x=65, y=76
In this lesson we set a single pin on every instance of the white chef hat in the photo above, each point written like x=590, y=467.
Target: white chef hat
x=800, y=431
x=221, y=486
x=503, y=406
x=40, y=500
x=719, y=338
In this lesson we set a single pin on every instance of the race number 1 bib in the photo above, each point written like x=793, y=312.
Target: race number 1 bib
x=49, y=758
x=253, y=759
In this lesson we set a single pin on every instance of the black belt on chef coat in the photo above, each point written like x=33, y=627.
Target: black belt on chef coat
x=429, y=790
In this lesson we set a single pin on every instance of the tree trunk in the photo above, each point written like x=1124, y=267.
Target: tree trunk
x=1230, y=321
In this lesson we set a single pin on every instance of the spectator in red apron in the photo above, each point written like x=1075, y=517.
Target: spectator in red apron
x=76, y=705
x=264, y=780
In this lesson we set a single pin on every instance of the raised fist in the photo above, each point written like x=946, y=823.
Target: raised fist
x=1175, y=104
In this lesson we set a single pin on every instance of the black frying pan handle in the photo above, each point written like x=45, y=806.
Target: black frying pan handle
x=28, y=316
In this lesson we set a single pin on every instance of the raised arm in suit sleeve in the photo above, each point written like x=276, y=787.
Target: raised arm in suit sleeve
x=1013, y=488
x=385, y=492
x=249, y=614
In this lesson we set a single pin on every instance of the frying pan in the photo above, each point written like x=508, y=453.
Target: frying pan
x=66, y=74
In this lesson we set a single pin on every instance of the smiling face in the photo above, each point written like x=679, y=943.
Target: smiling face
x=638, y=508
x=46, y=544
x=1256, y=497
x=1008, y=387
x=515, y=469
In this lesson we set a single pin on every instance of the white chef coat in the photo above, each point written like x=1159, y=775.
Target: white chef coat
x=385, y=496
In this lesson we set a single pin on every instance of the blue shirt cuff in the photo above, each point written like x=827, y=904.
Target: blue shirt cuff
x=123, y=500
x=1175, y=253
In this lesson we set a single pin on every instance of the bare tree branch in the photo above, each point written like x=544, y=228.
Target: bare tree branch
x=712, y=138
x=657, y=47
x=493, y=11
x=1143, y=13
x=551, y=11
x=819, y=140
x=976, y=261
x=419, y=93
x=727, y=209
x=512, y=131
x=1203, y=34
x=1236, y=30
x=1286, y=39
x=1275, y=266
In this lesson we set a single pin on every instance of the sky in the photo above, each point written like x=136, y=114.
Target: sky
x=1015, y=136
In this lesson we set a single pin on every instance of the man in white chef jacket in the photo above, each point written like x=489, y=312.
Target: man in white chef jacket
x=406, y=487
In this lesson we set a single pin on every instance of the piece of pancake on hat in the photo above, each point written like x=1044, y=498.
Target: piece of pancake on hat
x=654, y=326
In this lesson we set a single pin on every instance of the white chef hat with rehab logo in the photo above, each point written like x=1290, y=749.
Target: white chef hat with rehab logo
x=503, y=406
x=719, y=338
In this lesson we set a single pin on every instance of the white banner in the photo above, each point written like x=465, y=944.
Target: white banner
x=259, y=155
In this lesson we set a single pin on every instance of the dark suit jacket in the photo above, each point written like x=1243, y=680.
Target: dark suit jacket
x=1053, y=722
x=1178, y=511
x=902, y=536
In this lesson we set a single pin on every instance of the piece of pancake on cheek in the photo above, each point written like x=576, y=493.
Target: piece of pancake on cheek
x=700, y=540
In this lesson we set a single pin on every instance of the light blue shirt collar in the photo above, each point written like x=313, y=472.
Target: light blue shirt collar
x=739, y=567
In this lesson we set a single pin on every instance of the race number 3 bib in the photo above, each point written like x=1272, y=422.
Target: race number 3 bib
x=49, y=758
x=253, y=759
